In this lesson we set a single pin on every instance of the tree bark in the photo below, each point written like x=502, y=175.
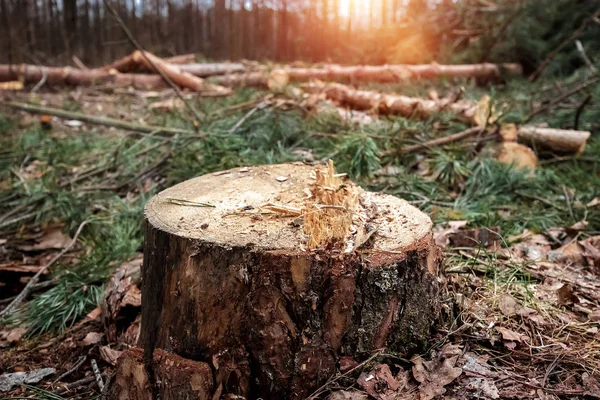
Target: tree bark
x=396, y=73
x=174, y=378
x=228, y=283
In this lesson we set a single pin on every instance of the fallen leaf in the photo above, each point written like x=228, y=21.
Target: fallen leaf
x=484, y=388
x=508, y=305
x=578, y=226
x=347, y=395
x=92, y=338
x=53, y=239
x=434, y=375
x=566, y=296
x=509, y=335
x=594, y=203
x=475, y=365
x=486, y=237
x=7, y=381
x=110, y=355
x=379, y=383
x=15, y=335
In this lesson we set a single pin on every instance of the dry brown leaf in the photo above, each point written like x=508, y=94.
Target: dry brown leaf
x=110, y=355
x=347, y=395
x=92, y=338
x=594, y=203
x=484, y=388
x=475, y=365
x=486, y=237
x=578, y=226
x=53, y=239
x=508, y=305
x=379, y=383
x=509, y=335
x=566, y=296
x=434, y=375
x=15, y=335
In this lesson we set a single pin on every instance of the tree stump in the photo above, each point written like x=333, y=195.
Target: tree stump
x=230, y=278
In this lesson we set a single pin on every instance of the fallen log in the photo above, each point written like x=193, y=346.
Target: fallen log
x=61, y=76
x=395, y=73
x=205, y=70
x=271, y=80
x=180, y=78
x=390, y=103
x=232, y=278
x=556, y=140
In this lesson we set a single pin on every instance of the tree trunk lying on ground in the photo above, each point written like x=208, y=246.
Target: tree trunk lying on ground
x=274, y=80
x=556, y=140
x=390, y=103
x=237, y=273
x=395, y=73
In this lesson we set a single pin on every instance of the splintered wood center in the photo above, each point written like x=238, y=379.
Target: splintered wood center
x=279, y=207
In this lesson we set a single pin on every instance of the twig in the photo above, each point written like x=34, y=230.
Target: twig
x=565, y=42
x=75, y=367
x=560, y=98
x=29, y=287
x=37, y=286
x=188, y=203
x=580, y=110
x=106, y=121
x=438, y=142
x=41, y=82
x=76, y=384
x=587, y=60
x=259, y=106
x=97, y=375
x=78, y=63
x=137, y=45
x=329, y=382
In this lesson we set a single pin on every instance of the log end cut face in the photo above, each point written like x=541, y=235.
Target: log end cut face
x=228, y=208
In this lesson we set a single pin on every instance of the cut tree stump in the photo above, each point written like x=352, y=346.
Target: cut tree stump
x=229, y=278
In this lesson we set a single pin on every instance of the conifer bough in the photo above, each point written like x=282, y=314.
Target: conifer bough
x=245, y=271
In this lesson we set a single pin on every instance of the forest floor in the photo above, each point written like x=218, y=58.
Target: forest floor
x=521, y=313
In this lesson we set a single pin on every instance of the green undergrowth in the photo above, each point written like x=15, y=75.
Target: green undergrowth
x=105, y=177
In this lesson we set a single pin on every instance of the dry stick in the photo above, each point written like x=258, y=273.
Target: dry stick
x=97, y=375
x=562, y=97
x=580, y=110
x=585, y=57
x=438, y=142
x=78, y=63
x=565, y=42
x=29, y=287
x=329, y=382
x=129, y=35
x=75, y=367
x=57, y=112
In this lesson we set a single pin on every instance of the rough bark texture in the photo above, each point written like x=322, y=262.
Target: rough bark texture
x=396, y=73
x=173, y=378
x=557, y=140
x=238, y=291
x=391, y=103
x=273, y=80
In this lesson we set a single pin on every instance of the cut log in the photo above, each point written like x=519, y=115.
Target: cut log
x=274, y=80
x=563, y=141
x=204, y=70
x=396, y=73
x=174, y=378
x=390, y=103
x=67, y=76
x=229, y=276
x=180, y=78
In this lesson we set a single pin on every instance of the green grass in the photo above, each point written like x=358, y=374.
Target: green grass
x=458, y=182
